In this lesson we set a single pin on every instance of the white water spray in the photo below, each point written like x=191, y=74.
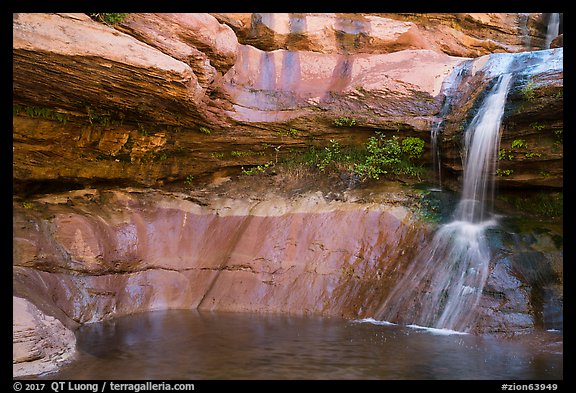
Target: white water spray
x=443, y=286
x=553, y=29
x=482, y=140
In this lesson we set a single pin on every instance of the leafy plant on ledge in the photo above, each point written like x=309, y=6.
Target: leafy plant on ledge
x=390, y=156
x=257, y=169
x=344, y=122
x=110, y=19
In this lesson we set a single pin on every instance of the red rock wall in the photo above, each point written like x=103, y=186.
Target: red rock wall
x=132, y=254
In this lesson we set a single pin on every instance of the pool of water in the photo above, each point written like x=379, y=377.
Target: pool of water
x=193, y=345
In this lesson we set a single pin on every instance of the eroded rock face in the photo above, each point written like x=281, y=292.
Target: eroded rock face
x=398, y=88
x=162, y=98
x=458, y=34
x=141, y=109
x=116, y=253
x=73, y=63
x=40, y=342
x=197, y=39
x=95, y=255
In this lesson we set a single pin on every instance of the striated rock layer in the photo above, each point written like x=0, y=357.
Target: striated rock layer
x=457, y=34
x=161, y=98
x=40, y=342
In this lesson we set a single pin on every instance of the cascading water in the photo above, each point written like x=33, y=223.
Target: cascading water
x=481, y=144
x=524, y=32
x=442, y=287
x=553, y=29
x=448, y=87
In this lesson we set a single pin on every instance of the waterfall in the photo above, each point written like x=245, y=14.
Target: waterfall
x=443, y=285
x=482, y=139
x=524, y=32
x=448, y=86
x=553, y=29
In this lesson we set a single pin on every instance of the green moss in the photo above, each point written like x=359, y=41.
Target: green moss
x=429, y=208
x=161, y=156
x=544, y=173
x=142, y=130
x=27, y=205
x=35, y=111
x=532, y=154
x=292, y=133
x=545, y=204
x=217, y=155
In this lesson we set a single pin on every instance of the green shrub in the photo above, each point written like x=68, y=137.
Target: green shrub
x=519, y=144
x=389, y=155
x=331, y=153
x=110, y=19
x=413, y=147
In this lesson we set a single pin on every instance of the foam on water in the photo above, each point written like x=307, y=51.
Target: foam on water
x=436, y=331
x=373, y=321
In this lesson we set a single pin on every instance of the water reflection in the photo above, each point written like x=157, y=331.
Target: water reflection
x=197, y=345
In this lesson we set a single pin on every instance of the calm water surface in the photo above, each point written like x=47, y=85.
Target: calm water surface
x=192, y=345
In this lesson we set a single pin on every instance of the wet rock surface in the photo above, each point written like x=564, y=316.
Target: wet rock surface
x=531, y=143
x=91, y=255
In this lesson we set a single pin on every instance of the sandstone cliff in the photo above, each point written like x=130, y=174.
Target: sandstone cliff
x=161, y=98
